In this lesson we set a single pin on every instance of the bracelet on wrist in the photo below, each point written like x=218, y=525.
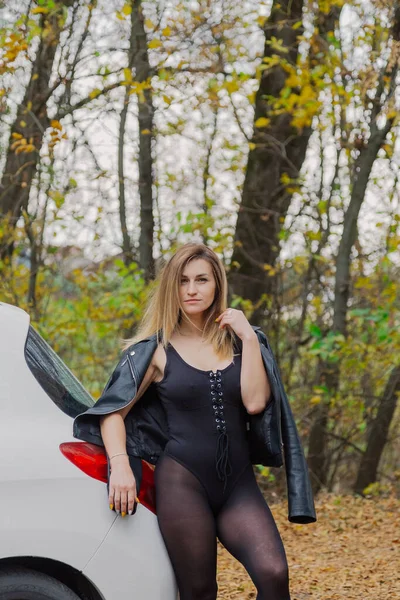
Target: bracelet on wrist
x=118, y=454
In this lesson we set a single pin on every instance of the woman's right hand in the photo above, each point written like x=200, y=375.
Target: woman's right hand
x=122, y=486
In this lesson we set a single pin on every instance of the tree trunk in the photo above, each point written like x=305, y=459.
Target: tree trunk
x=378, y=434
x=127, y=248
x=317, y=454
x=330, y=373
x=30, y=125
x=146, y=113
x=280, y=149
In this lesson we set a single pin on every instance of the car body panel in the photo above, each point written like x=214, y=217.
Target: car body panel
x=51, y=509
x=133, y=548
x=48, y=507
x=65, y=520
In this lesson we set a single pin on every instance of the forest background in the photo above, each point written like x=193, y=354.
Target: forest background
x=269, y=131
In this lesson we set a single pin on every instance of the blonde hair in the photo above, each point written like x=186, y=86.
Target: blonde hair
x=164, y=312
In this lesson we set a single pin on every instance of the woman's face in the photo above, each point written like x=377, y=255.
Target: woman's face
x=197, y=284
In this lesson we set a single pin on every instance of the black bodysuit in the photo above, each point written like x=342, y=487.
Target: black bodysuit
x=206, y=487
x=207, y=424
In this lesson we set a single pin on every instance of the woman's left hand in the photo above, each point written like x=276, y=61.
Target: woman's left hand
x=237, y=321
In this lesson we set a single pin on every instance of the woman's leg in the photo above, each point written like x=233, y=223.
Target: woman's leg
x=247, y=529
x=187, y=525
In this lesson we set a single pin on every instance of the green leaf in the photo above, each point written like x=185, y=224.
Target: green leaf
x=315, y=330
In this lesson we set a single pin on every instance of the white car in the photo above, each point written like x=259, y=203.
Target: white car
x=59, y=540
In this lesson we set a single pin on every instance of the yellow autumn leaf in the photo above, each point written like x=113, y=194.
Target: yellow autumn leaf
x=364, y=283
x=267, y=267
x=17, y=136
x=262, y=122
x=94, y=93
x=155, y=44
x=15, y=145
x=167, y=31
x=126, y=9
x=20, y=149
x=293, y=80
x=252, y=146
x=277, y=45
x=231, y=86
x=325, y=6
x=10, y=56
x=40, y=10
x=307, y=93
x=271, y=61
x=127, y=75
x=312, y=235
x=315, y=400
x=388, y=149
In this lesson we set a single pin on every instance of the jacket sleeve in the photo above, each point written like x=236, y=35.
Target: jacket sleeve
x=300, y=496
x=118, y=391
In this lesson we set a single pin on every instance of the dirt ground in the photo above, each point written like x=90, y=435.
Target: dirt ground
x=352, y=552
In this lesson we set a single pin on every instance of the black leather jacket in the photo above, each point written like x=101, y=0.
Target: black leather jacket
x=272, y=434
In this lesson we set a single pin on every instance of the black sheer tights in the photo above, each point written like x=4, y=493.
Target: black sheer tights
x=244, y=524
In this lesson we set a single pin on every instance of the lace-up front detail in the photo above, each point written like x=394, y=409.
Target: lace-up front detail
x=203, y=408
x=222, y=463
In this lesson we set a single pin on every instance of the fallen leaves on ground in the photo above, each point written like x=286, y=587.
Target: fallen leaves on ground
x=351, y=552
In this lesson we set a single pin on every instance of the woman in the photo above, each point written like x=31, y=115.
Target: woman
x=207, y=380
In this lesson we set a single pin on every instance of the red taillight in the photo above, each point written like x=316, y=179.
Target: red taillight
x=147, y=495
x=92, y=460
x=89, y=458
